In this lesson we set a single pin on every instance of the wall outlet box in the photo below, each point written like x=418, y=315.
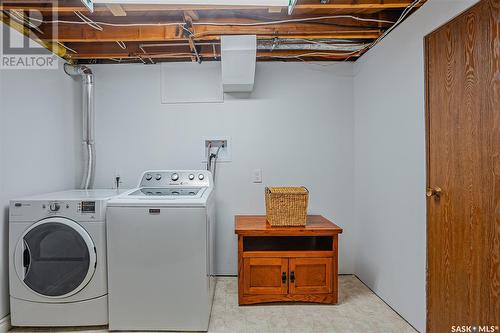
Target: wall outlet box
x=214, y=143
x=257, y=176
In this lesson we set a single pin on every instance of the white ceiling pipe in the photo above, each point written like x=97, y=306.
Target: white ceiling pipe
x=308, y=46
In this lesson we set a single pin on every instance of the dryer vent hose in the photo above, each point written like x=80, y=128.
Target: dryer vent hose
x=88, y=122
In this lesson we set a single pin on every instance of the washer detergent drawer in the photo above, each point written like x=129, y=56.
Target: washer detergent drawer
x=157, y=268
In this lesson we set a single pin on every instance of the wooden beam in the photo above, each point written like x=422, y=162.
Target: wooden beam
x=116, y=10
x=84, y=33
x=388, y=4
x=188, y=33
x=49, y=45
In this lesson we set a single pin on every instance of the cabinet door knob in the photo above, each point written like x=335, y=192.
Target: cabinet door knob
x=283, y=277
x=434, y=192
x=292, y=276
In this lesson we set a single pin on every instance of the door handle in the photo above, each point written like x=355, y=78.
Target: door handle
x=434, y=192
x=26, y=258
x=283, y=277
x=292, y=276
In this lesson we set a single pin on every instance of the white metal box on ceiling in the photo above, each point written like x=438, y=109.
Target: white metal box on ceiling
x=238, y=55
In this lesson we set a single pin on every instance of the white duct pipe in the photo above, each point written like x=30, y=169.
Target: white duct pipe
x=88, y=121
x=311, y=46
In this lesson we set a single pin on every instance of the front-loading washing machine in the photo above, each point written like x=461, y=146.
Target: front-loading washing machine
x=57, y=259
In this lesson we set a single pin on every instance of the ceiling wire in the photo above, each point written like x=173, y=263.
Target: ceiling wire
x=67, y=47
x=187, y=30
x=20, y=18
x=98, y=24
x=261, y=17
x=403, y=15
x=141, y=47
x=121, y=45
x=88, y=21
x=357, y=18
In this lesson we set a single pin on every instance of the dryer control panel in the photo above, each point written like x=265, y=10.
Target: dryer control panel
x=76, y=210
x=87, y=207
x=77, y=205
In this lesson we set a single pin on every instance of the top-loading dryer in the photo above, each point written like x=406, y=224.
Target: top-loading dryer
x=57, y=259
x=161, y=253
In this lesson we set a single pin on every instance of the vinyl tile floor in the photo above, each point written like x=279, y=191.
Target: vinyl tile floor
x=359, y=311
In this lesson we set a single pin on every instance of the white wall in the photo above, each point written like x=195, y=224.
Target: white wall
x=38, y=143
x=297, y=126
x=390, y=181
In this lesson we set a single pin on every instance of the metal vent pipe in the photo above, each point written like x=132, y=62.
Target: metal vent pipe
x=88, y=121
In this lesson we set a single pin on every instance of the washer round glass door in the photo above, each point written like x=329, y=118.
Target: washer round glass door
x=55, y=257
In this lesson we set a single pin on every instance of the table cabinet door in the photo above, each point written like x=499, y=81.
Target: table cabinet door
x=265, y=276
x=310, y=275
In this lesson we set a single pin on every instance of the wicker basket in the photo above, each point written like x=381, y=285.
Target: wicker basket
x=286, y=206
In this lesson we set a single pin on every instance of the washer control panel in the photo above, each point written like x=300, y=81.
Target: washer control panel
x=160, y=178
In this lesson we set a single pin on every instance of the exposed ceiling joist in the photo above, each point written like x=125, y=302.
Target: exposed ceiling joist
x=153, y=34
x=317, y=30
x=188, y=32
x=379, y=5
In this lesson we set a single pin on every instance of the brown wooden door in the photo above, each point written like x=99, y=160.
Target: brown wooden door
x=310, y=275
x=265, y=276
x=463, y=150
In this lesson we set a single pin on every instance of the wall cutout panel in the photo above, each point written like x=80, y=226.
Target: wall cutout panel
x=191, y=83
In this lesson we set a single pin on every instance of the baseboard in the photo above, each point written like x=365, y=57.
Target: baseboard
x=5, y=324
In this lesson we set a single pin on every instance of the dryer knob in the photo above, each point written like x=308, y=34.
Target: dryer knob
x=149, y=176
x=54, y=207
x=175, y=177
x=158, y=177
x=191, y=177
x=201, y=176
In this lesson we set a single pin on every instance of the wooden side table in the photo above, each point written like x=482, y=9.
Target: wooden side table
x=288, y=264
